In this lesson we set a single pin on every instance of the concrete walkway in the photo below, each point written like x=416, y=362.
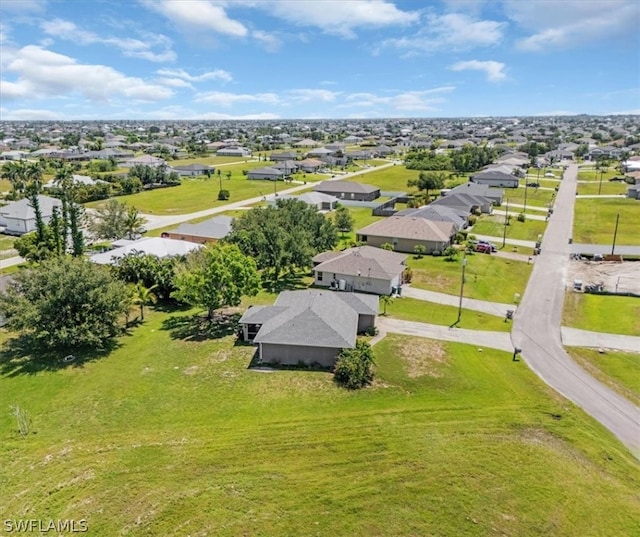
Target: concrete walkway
x=11, y=261
x=498, y=240
x=573, y=337
x=529, y=207
x=491, y=308
x=491, y=340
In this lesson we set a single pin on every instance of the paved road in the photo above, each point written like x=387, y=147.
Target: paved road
x=492, y=340
x=536, y=329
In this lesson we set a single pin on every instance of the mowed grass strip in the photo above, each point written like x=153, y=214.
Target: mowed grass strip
x=535, y=196
x=619, y=370
x=602, y=313
x=595, y=220
x=411, y=309
x=173, y=436
x=493, y=225
x=487, y=277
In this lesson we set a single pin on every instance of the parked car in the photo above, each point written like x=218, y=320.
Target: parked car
x=534, y=184
x=490, y=245
x=483, y=248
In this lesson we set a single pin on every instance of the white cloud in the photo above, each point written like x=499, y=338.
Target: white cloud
x=573, y=22
x=174, y=82
x=306, y=95
x=217, y=74
x=339, y=17
x=42, y=73
x=4, y=33
x=451, y=31
x=30, y=114
x=406, y=101
x=23, y=7
x=492, y=69
x=132, y=48
x=270, y=42
x=198, y=15
x=229, y=99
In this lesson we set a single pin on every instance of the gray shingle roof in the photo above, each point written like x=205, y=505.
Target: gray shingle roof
x=312, y=317
x=344, y=186
x=365, y=260
x=214, y=228
x=22, y=209
x=408, y=227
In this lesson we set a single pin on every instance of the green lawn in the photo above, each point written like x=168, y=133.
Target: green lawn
x=619, y=370
x=170, y=435
x=362, y=217
x=595, y=220
x=590, y=174
x=395, y=179
x=6, y=242
x=602, y=313
x=607, y=188
x=411, y=309
x=487, y=277
x=493, y=225
x=535, y=196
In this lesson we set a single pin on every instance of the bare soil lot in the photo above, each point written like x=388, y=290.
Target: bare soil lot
x=625, y=275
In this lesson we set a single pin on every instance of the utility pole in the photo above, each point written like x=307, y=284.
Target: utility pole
x=600, y=185
x=615, y=233
x=506, y=223
x=464, y=265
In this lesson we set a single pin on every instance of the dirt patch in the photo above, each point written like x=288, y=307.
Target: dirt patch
x=191, y=370
x=624, y=276
x=423, y=357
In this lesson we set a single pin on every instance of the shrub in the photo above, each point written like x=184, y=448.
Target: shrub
x=436, y=253
x=224, y=195
x=408, y=275
x=451, y=253
x=521, y=217
x=353, y=368
x=472, y=220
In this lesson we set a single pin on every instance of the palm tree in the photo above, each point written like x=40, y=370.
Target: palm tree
x=12, y=172
x=143, y=296
x=386, y=300
x=133, y=223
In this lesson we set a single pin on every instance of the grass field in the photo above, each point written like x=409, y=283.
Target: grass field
x=410, y=309
x=535, y=196
x=486, y=277
x=174, y=436
x=362, y=217
x=619, y=370
x=608, y=188
x=602, y=313
x=493, y=225
x=590, y=174
x=595, y=220
x=395, y=179
x=6, y=242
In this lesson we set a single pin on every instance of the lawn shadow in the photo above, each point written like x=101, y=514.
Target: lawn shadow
x=286, y=282
x=198, y=327
x=21, y=355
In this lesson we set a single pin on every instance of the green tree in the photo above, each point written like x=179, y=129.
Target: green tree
x=344, y=220
x=133, y=223
x=419, y=250
x=354, y=367
x=428, y=181
x=152, y=271
x=108, y=221
x=216, y=276
x=283, y=237
x=450, y=253
x=386, y=300
x=142, y=296
x=65, y=302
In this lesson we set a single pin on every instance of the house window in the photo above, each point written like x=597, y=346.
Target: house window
x=319, y=276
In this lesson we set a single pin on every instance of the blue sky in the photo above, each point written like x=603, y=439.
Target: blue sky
x=263, y=59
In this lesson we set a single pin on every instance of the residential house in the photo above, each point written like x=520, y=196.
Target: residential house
x=272, y=174
x=633, y=192
x=311, y=165
x=494, y=177
x=240, y=152
x=158, y=246
x=287, y=166
x=404, y=233
x=77, y=180
x=286, y=155
x=309, y=326
x=348, y=190
x=438, y=213
x=20, y=218
x=496, y=195
x=211, y=230
x=363, y=269
x=193, y=170
x=144, y=160
x=466, y=203
x=322, y=202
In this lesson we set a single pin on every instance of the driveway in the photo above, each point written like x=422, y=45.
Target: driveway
x=573, y=337
x=536, y=329
x=492, y=308
x=491, y=340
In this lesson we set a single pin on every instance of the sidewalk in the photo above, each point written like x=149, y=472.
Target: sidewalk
x=491, y=308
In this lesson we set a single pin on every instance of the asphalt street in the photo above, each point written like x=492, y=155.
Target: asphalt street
x=536, y=328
